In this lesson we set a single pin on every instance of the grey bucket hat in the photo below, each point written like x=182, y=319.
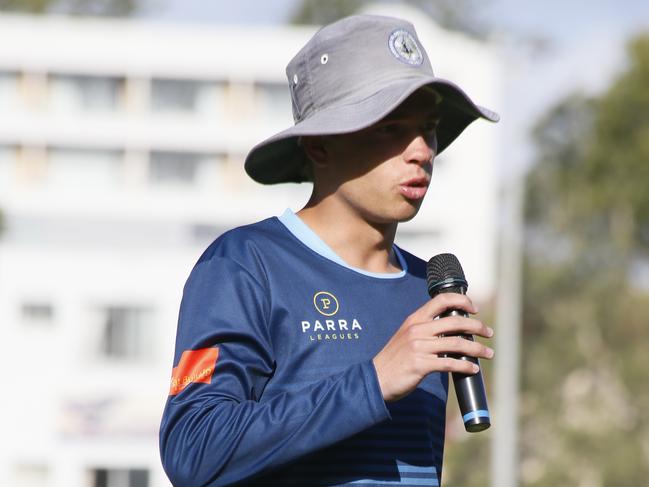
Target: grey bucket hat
x=351, y=74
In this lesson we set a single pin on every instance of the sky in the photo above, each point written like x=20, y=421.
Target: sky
x=583, y=47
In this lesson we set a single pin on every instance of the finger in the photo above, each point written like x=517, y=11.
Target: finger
x=450, y=325
x=443, y=302
x=455, y=345
x=449, y=364
x=453, y=325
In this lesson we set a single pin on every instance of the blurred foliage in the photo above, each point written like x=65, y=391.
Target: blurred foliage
x=585, y=370
x=112, y=8
x=453, y=14
x=27, y=6
x=466, y=461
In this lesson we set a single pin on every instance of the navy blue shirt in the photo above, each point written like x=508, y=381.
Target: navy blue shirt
x=273, y=378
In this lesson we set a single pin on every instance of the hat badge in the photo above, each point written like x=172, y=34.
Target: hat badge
x=404, y=47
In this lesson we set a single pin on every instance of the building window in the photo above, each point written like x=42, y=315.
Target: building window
x=203, y=234
x=37, y=313
x=7, y=164
x=74, y=93
x=124, y=332
x=8, y=89
x=84, y=168
x=274, y=101
x=186, y=96
x=105, y=477
x=184, y=168
x=173, y=167
x=174, y=95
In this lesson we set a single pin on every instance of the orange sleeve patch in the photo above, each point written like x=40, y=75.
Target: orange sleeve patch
x=194, y=366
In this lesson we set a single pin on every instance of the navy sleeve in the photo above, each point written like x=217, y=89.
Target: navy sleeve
x=219, y=429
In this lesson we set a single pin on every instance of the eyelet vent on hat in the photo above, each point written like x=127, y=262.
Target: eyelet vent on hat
x=324, y=59
x=297, y=116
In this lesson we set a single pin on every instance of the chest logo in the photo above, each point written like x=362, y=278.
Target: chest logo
x=332, y=328
x=325, y=303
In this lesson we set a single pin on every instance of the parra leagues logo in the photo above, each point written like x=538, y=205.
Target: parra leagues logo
x=330, y=327
x=326, y=303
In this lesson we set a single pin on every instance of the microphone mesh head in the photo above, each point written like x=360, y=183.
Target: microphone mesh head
x=444, y=268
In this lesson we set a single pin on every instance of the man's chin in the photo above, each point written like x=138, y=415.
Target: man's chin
x=409, y=212
x=407, y=218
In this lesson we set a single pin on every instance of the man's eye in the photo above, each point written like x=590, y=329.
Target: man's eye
x=431, y=126
x=388, y=128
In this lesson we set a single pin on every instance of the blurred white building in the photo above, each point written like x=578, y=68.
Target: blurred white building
x=121, y=154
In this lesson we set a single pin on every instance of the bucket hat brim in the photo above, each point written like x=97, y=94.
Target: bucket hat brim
x=280, y=159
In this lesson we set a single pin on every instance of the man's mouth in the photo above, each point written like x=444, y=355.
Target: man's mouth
x=414, y=189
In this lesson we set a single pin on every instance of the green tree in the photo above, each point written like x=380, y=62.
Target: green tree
x=113, y=8
x=585, y=404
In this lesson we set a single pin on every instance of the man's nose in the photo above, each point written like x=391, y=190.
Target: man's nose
x=422, y=149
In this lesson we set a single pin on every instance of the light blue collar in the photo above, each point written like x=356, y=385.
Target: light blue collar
x=309, y=238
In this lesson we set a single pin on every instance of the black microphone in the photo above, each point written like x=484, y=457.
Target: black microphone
x=444, y=274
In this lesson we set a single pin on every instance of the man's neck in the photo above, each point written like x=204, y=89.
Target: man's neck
x=358, y=242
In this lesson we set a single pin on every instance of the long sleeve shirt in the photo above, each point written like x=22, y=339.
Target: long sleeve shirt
x=273, y=380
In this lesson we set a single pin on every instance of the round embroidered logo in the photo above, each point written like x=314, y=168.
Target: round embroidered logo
x=404, y=47
x=326, y=303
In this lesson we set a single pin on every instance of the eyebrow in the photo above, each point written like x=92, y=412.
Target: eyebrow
x=396, y=115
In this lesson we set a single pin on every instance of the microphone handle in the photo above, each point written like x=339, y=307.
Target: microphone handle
x=469, y=388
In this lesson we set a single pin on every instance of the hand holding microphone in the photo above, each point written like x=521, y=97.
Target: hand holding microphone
x=424, y=344
x=444, y=274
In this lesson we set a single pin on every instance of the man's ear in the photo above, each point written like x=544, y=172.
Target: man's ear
x=315, y=149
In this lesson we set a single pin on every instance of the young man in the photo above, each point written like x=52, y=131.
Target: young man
x=307, y=350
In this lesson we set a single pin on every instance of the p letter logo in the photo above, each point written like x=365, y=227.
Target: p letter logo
x=326, y=303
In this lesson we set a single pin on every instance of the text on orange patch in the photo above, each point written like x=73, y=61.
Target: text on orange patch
x=194, y=366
